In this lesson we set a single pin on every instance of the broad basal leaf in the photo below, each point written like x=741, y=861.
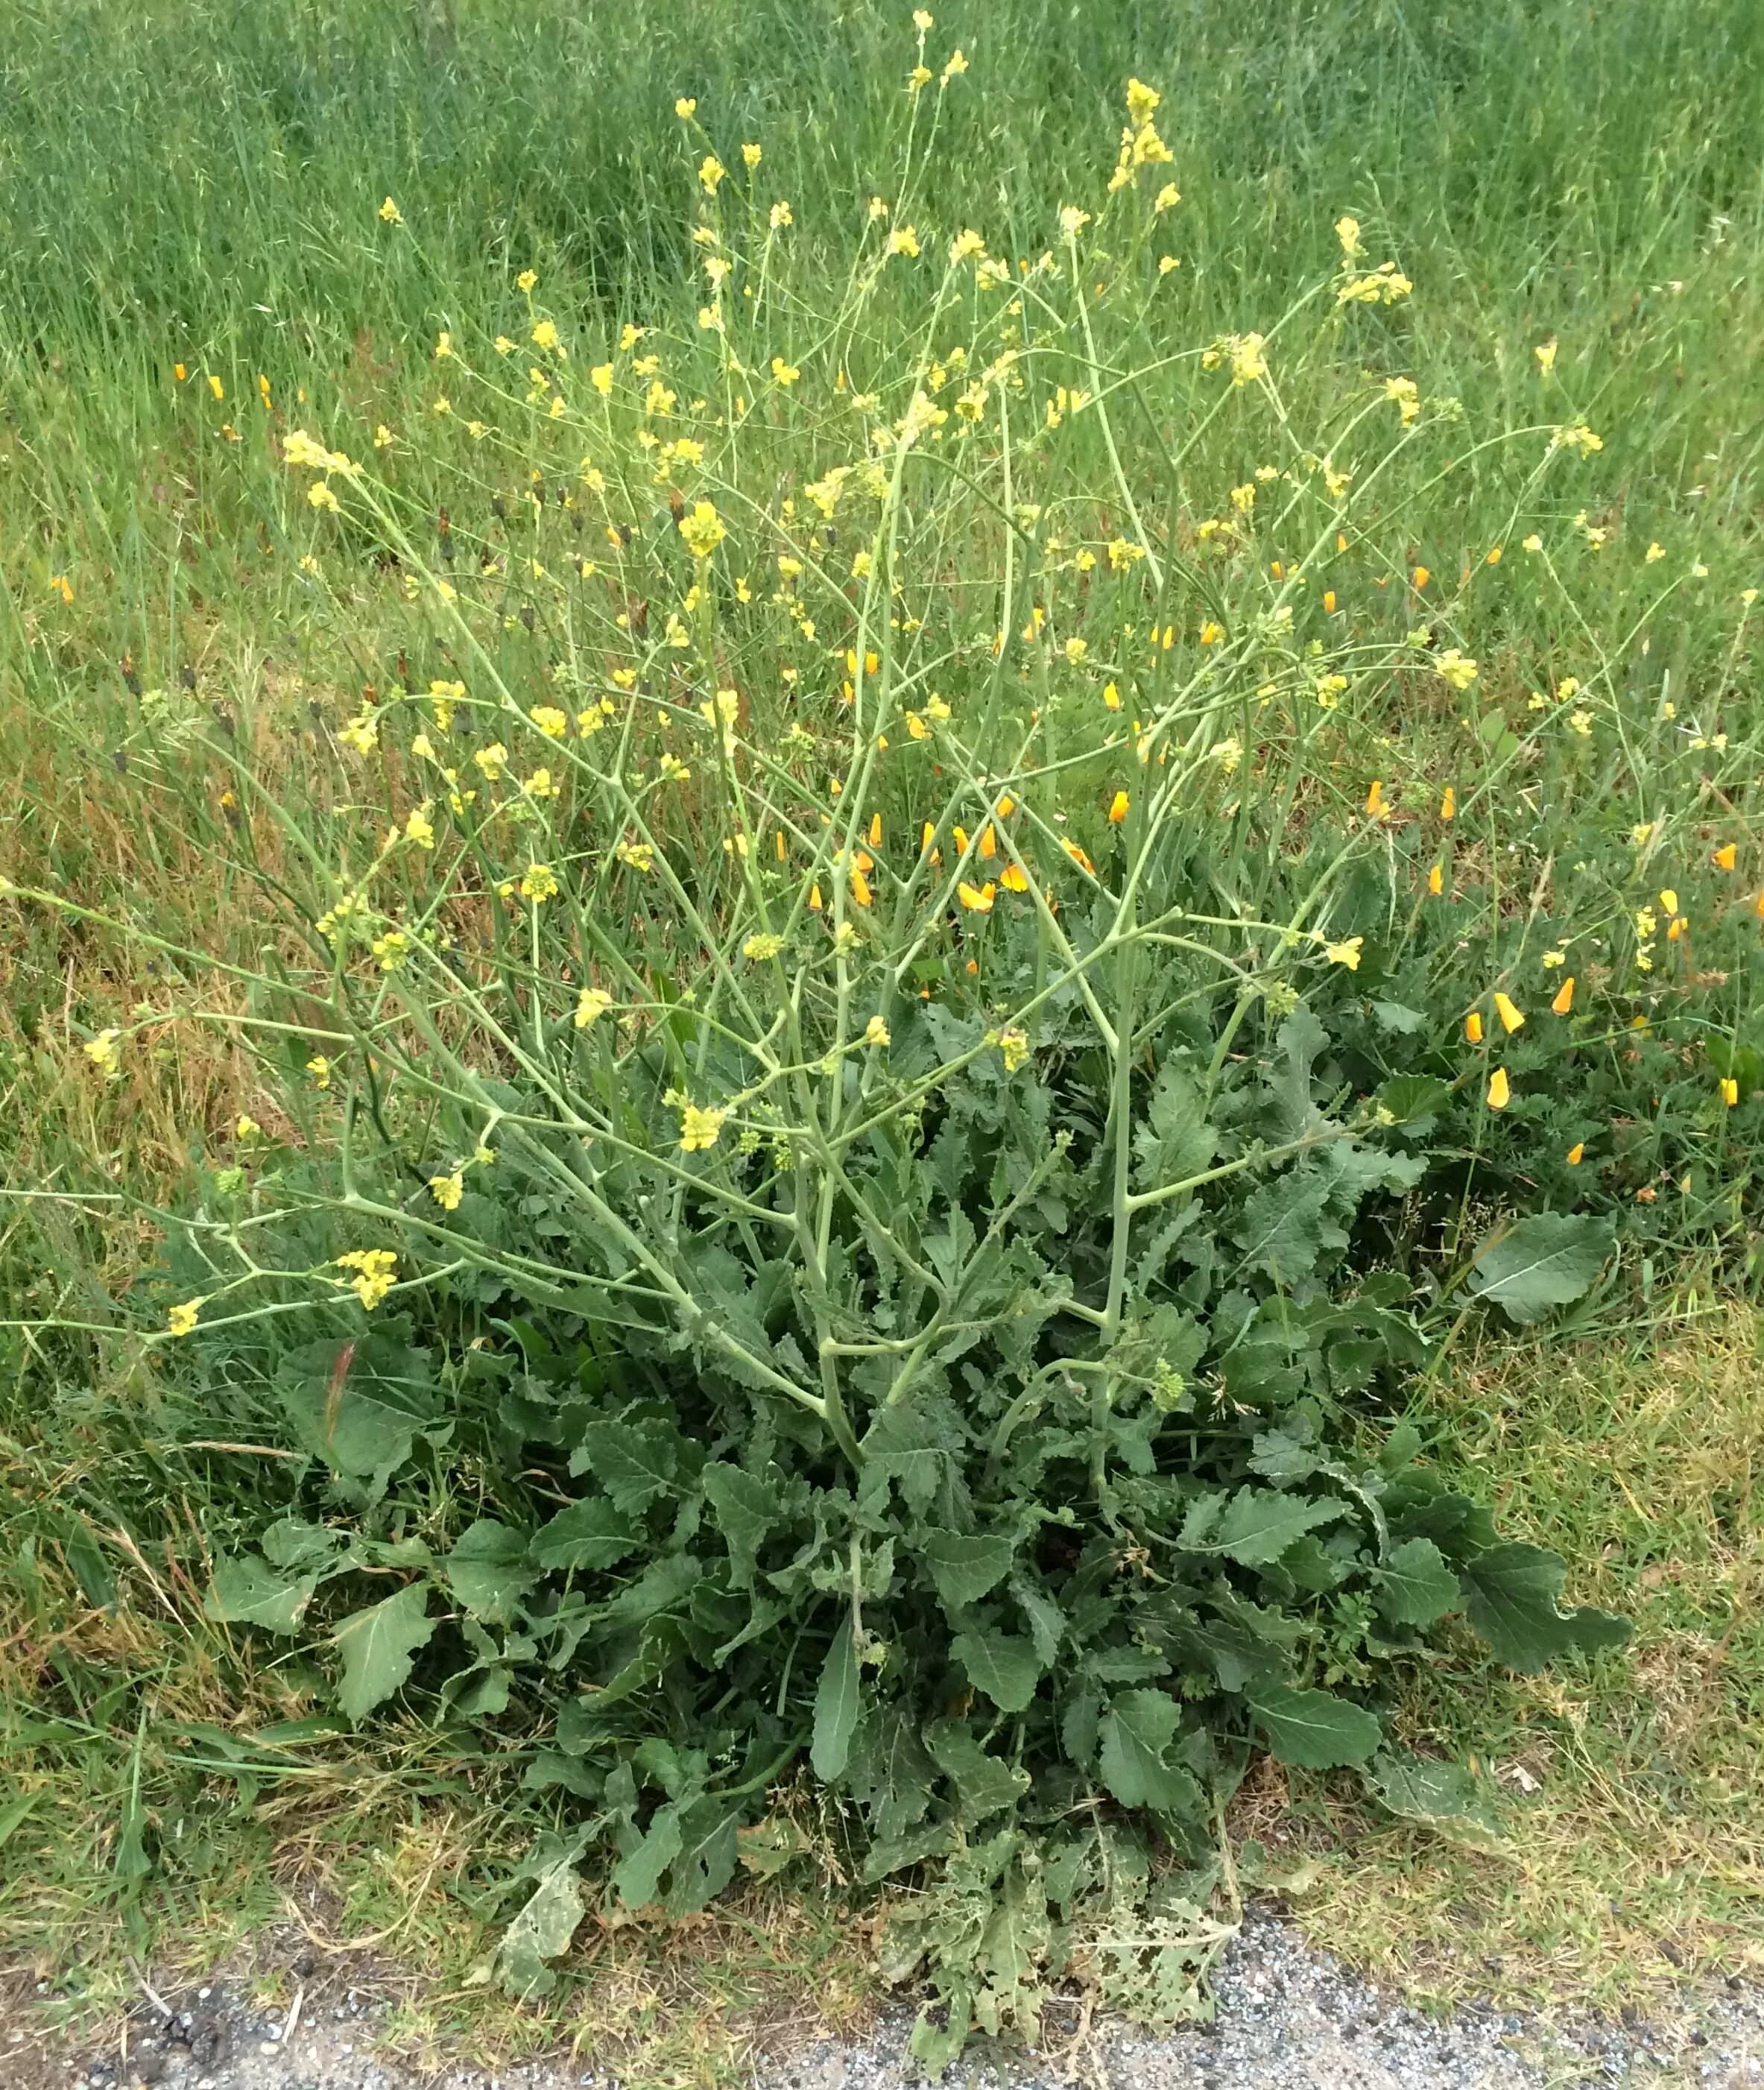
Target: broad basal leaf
x=1548, y=1260
x=1510, y=1596
x=1446, y=1797
x=635, y=1462
x=745, y=1508
x=1416, y=1586
x=592, y=1533
x=1005, y=1665
x=837, y=1704
x=249, y=1592
x=487, y=1570
x=377, y=1646
x=1260, y=1524
x=1314, y=1728
x=542, y=1931
x=964, y=1567
x=1136, y=1734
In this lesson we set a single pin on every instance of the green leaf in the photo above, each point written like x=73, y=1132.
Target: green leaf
x=1510, y=1598
x=249, y=1592
x=1260, y=1524
x=1546, y=1261
x=706, y=1861
x=542, y=1931
x=985, y=1784
x=1175, y=1142
x=636, y=1463
x=745, y=1508
x=964, y=1567
x=1005, y=1665
x=1416, y=1586
x=1136, y=1733
x=1314, y=1728
x=637, y=1876
x=837, y=1704
x=590, y=1534
x=1446, y=1797
x=487, y=1570
x=377, y=1646
x=358, y=1405
x=1413, y=1100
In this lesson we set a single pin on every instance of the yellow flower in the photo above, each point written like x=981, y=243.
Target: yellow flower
x=1545, y=353
x=1669, y=899
x=1211, y=633
x=492, y=760
x=539, y=882
x=751, y=157
x=1436, y=880
x=180, y=1320
x=1375, y=807
x=549, y=721
x=1457, y=669
x=216, y=387
x=1565, y=997
x=685, y=107
x=390, y=212
x=101, y=1051
x=699, y=1129
x=1575, y=1152
x=711, y=171
x=320, y=496
x=545, y=336
x=779, y=216
x=875, y=1031
x=903, y=239
x=1014, y=1046
x=1347, y=954
x=591, y=1004
x=1500, y=1089
x=1730, y=1091
x=1448, y=804
x=703, y=530
x=860, y=887
x=1012, y=879
x=784, y=373
x=1724, y=857
x=375, y=1269
x=1117, y=808
x=526, y=279
x=1347, y=230
x=1512, y=1017
x=319, y=1068
x=1653, y=554
x=1077, y=857
x=977, y=899
x=447, y=1190
x=246, y=1128
x=1473, y=1027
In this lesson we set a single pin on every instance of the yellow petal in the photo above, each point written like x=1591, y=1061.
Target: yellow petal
x=1512, y=1017
x=1565, y=997
x=1499, y=1090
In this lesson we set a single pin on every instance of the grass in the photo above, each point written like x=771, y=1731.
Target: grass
x=1533, y=177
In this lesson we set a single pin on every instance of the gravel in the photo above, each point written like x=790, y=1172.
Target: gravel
x=1289, y=2018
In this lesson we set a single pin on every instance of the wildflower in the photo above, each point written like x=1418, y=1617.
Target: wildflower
x=375, y=1270
x=1167, y=198
x=181, y=1319
x=784, y=373
x=1211, y=632
x=1730, y=1091
x=319, y=1068
x=1014, y=1045
x=1122, y=554
x=1473, y=1027
x=1724, y=857
x=1248, y=364
x=1581, y=722
x=1167, y=264
x=1545, y=353
x=539, y=882
x=703, y=530
x=216, y=387
x=903, y=239
x=860, y=892
x=1511, y=1016
x=875, y=1031
x=1579, y=437
x=1534, y=543
x=549, y=721
x=711, y=171
x=1405, y=394
x=1073, y=220
x=1563, y=1002
x=447, y=1190
x=1077, y=857
x=751, y=157
x=1347, y=954
x=1374, y=800
x=779, y=216
x=977, y=899
x=1436, y=880
x=1500, y=1089
x=545, y=336
x=699, y=1129
x=601, y=378
x=101, y=1051
x=492, y=760
x=1111, y=696
x=1455, y=667
x=390, y=212
x=967, y=246
x=1575, y=1153
x=635, y=856
x=1448, y=803
x=685, y=107
x=320, y=496
x=591, y=1004
x=1117, y=808
x=1654, y=554
x=1012, y=878
x=1347, y=230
